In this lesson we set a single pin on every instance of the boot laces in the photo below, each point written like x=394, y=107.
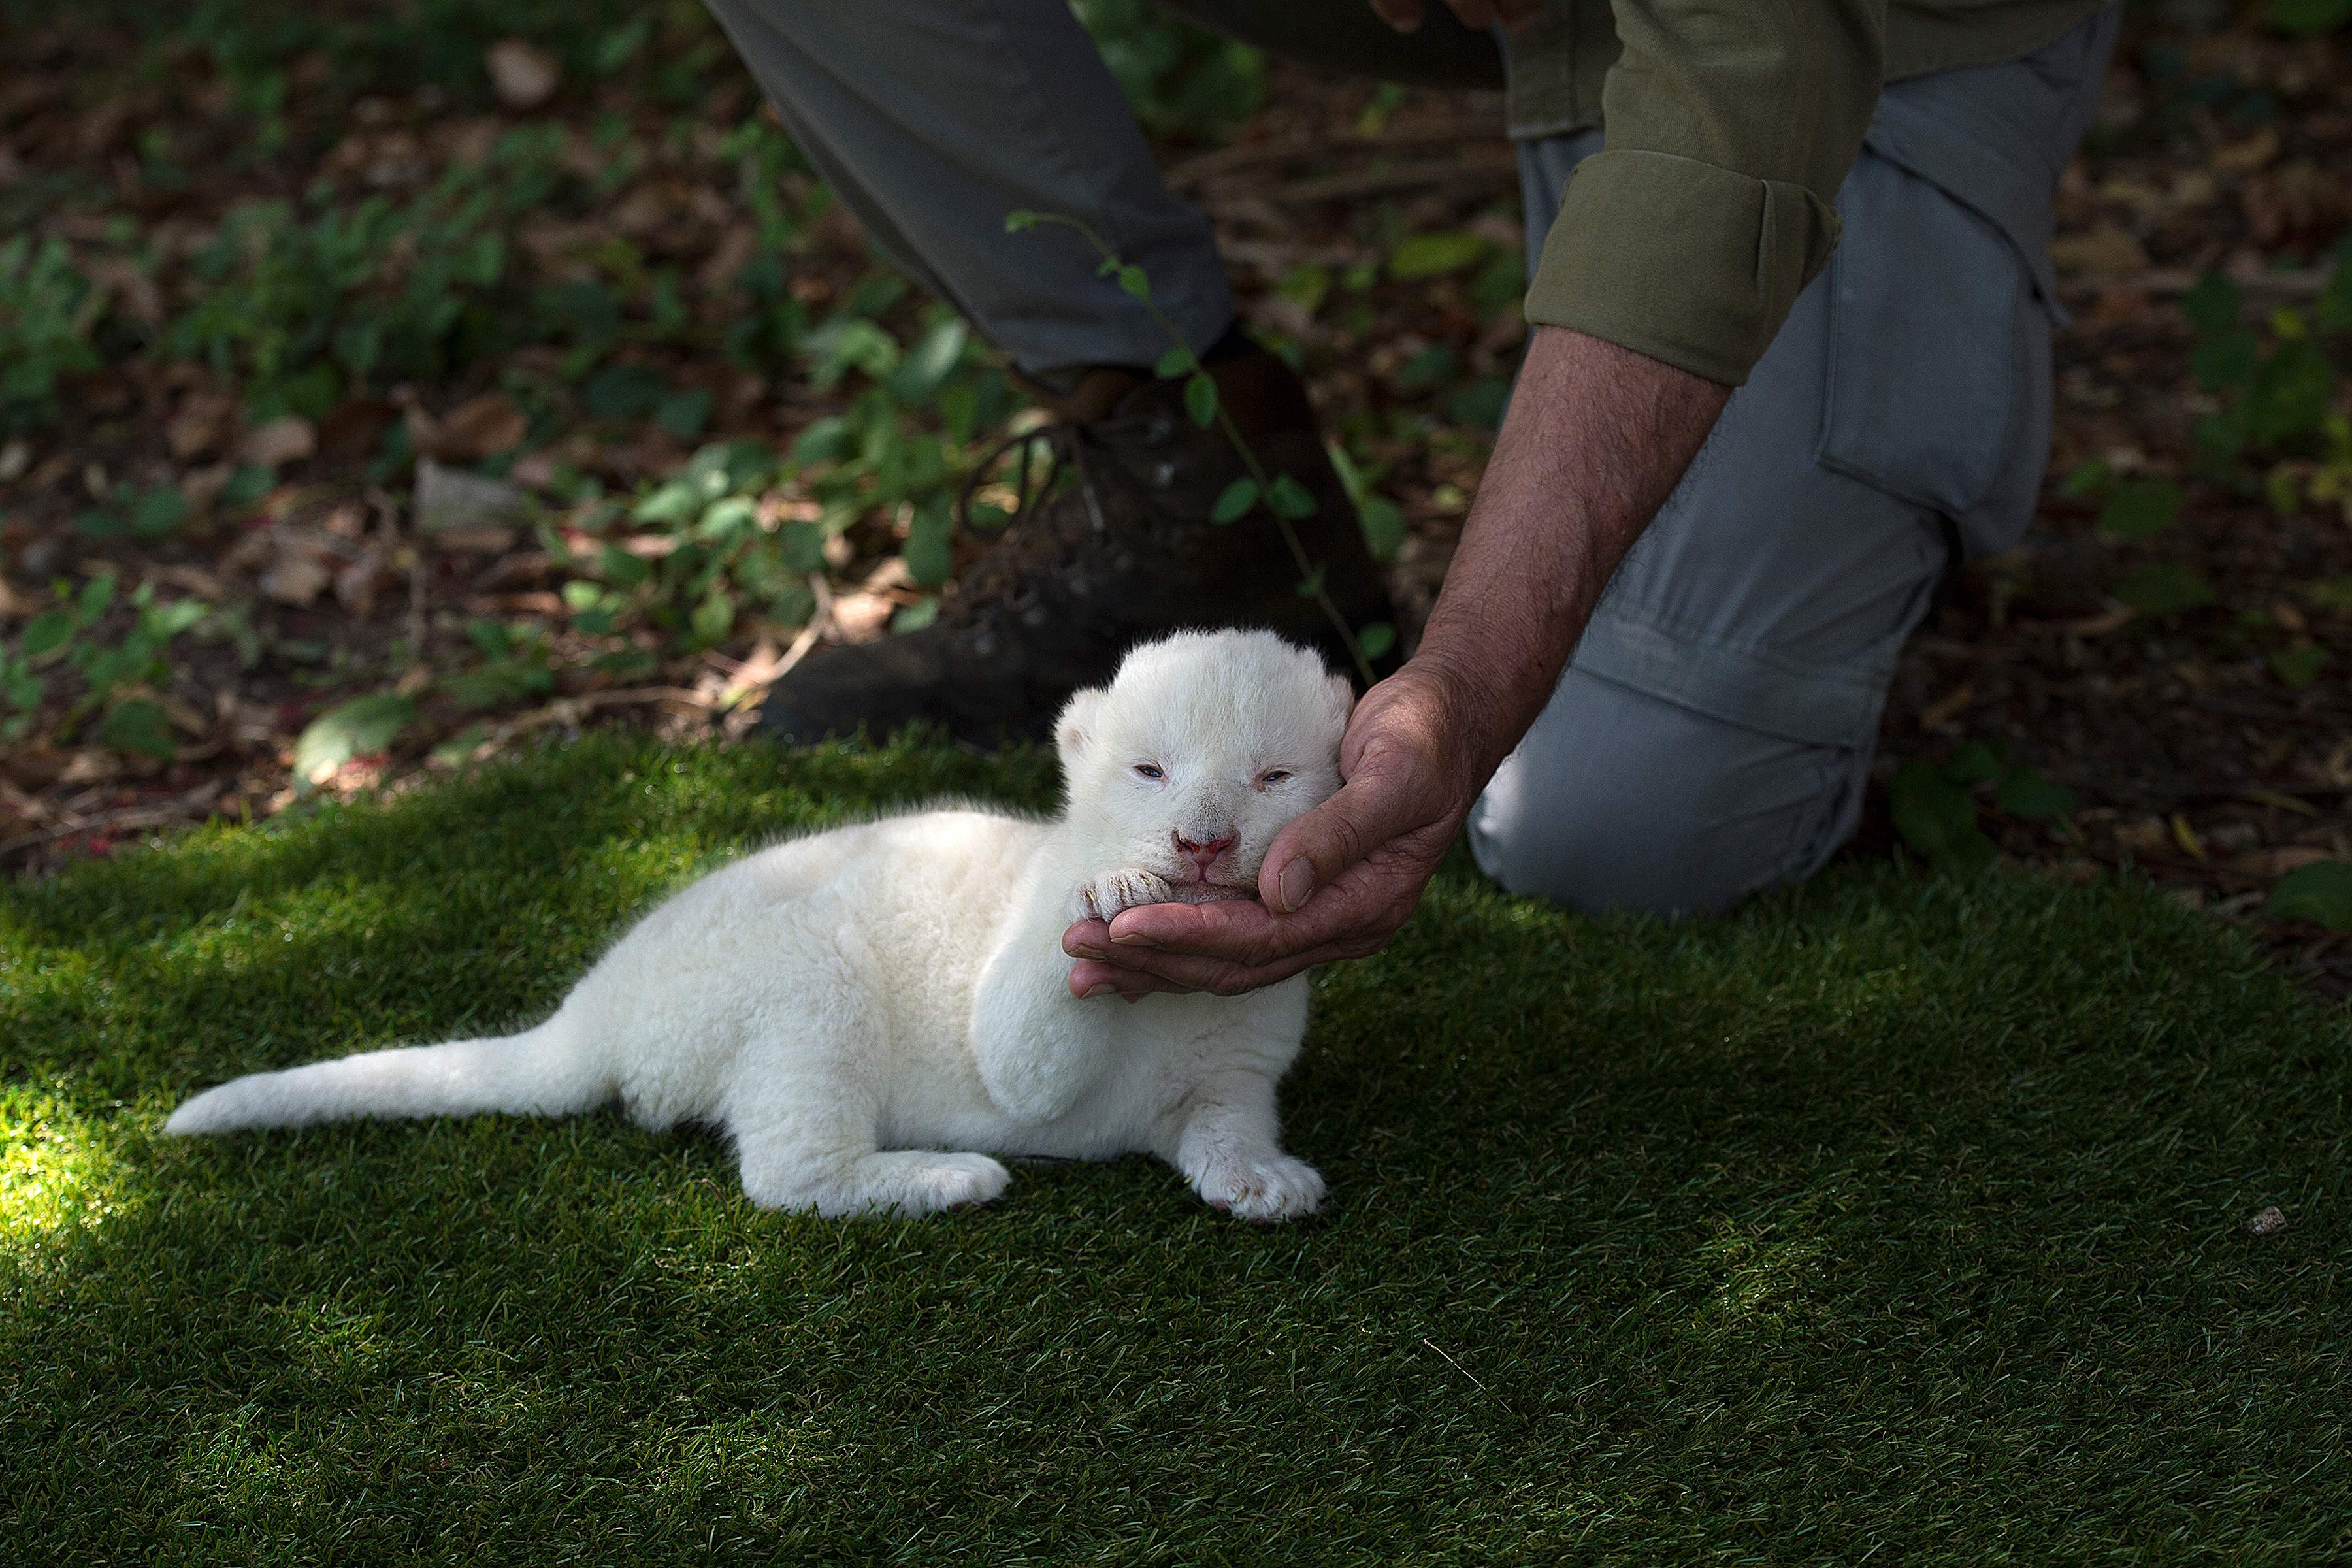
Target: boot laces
x=1009, y=576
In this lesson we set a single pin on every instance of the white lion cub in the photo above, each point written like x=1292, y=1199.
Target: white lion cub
x=850, y=1003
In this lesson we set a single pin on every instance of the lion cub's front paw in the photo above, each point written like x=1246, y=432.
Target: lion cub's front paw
x=1266, y=1187
x=1115, y=890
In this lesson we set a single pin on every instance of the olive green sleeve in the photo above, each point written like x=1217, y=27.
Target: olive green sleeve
x=1729, y=128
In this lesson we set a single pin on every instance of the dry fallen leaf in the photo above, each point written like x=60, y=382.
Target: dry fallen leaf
x=2267, y=1221
x=476, y=541
x=479, y=426
x=286, y=439
x=201, y=424
x=450, y=498
x=296, y=577
x=525, y=75
x=2278, y=860
x=2244, y=157
x=860, y=618
x=353, y=427
x=2109, y=252
x=356, y=584
x=141, y=299
x=202, y=486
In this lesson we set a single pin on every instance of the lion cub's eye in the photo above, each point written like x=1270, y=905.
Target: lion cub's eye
x=1149, y=770
x=1268, y=780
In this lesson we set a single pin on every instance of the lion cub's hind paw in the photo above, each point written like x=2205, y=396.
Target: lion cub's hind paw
x=1115, y=890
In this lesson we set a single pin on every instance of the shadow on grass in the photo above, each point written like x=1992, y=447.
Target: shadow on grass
x=1886, y=1212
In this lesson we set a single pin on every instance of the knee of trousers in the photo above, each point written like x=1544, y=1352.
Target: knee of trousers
x=1622, y=801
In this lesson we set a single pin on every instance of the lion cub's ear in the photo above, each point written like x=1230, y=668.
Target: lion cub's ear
x=1342, y=695
x=1074, y=729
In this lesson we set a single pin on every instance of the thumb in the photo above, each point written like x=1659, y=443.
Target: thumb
x=1313, y=851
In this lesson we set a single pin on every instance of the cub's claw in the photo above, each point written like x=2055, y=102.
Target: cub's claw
x=1115, y=890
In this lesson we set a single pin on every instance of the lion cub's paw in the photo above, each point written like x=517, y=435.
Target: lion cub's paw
x=1270, y=1187
x=1115, y=890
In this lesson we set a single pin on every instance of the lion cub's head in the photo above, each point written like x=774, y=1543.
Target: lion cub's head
x=1200, y=748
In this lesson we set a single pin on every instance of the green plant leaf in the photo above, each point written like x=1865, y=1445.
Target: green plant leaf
x=1290, y=499
x=1376, y=638
x=2299, y=665
x=2290, y=396
x=914, y=618
x=2320, y=893
x=624, y=392
x=350, y=730
x=1383, y=522
x=2332, y=311
x=2213, y=305
x=2139, y=509
x=1178, y=361
x=1311, y=585
x=1132, y=279
x=1434, y=254
x=95, y=596
x=1977, y=762
x=931, y=361
x=1431, y=367
x=684, y=413
x=158, y=512
x=2024, y=793
x=2165, y=590
x=927, y=553
x=1200, y=400
x=623, y=569
x=1938, y=817
x=1018, y=219
x=139, y=727
x=1480, y=404
x=247, y=484
x=2229, y=358
x=715, y=617
x=50, y=629
x=1235, y=502
x=1305, y=286
x=2308, y=18
x=2090, y=478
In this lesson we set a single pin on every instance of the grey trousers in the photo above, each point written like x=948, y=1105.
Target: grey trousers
x=1714, y=729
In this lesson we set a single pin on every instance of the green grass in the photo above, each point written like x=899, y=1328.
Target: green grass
x=1893, y=1215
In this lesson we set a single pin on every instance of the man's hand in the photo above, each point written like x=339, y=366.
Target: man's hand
x=1406, y=16
x=1336, y=882
x=1596, y=437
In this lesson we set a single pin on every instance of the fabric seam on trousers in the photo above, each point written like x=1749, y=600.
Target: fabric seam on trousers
x=1818, y=705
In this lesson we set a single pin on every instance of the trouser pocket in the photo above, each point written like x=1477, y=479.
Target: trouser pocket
x=1939, y=363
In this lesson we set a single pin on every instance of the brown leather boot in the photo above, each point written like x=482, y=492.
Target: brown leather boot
x=1124, y=553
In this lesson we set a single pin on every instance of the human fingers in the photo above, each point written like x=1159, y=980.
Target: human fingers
x=1379, y=804
x=1092, y=977
x=1404, y=16
x=1245, y=931
x=1183, y=971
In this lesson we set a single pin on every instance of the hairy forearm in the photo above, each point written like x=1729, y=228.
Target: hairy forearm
x=1597, y=438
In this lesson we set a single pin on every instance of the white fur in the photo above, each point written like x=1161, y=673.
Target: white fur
x=848, y=1004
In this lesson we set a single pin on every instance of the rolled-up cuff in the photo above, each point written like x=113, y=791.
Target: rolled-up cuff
x=1687, y=262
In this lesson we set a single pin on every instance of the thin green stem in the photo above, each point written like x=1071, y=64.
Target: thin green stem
x=1307, y=567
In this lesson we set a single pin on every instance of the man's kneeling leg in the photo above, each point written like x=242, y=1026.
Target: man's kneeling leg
x=1621, y=800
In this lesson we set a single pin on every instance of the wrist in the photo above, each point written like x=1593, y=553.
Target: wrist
x=1469, y=707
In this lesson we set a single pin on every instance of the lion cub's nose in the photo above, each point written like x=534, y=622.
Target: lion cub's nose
x=1202, y=856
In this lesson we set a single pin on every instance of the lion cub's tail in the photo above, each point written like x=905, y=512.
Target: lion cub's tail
x=544, y=1071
